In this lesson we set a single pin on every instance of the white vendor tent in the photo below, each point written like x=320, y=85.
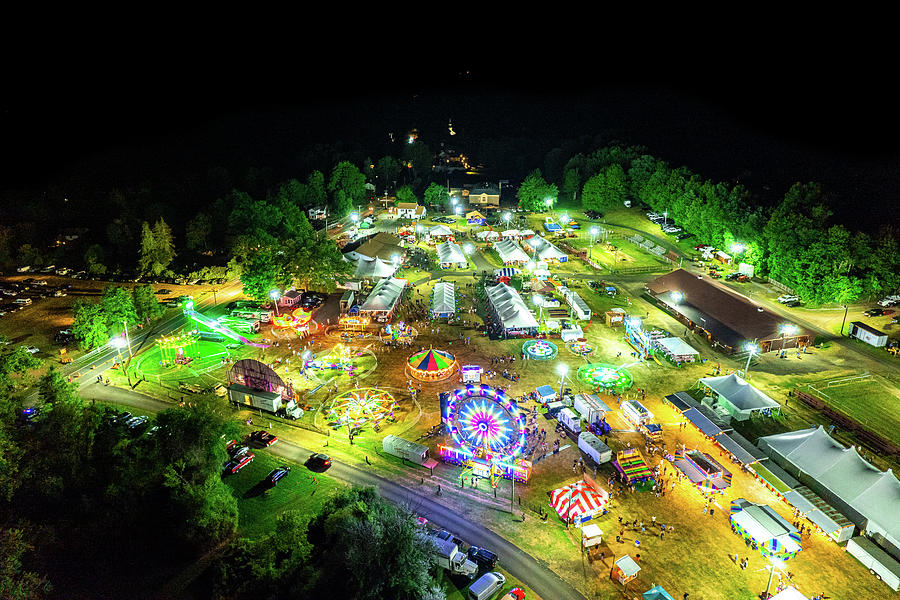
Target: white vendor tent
x=677, y=349
x=374, y=269
x=443, y=299
x=544, y=250
x=509, y=308
x=487, y=236
x=591, y=535
x=440, y=231
x=789, y=593
x=738, y=397
x=383, y=298
x=510, y=252
x=867, y=496
x=449, y=254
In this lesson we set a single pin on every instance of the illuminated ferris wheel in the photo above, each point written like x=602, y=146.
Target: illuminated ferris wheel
x=486, y=423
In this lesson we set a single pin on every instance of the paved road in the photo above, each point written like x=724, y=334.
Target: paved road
x=532, y=572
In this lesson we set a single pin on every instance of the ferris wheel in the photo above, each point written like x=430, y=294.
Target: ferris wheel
x=484, y=422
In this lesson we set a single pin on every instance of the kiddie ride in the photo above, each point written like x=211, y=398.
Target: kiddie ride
x=488, y=433
x=298, y=321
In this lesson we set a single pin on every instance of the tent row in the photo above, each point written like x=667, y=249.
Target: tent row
x=511, y=311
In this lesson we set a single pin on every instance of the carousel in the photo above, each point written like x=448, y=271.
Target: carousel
x=431, y=365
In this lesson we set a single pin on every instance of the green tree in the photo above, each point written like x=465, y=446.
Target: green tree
x=197, y=232
x=15, y=363
x=157, y=248
x=146, y=306
x=437, y=195
x=406, y=194
x=261, y=273
x=117, y=306
x=93, y=260
x=316, y=195
x=89, y=326
x=16, y=581
x=352, y=527
x=535, y=194
x=387, y=171
x=347, y=187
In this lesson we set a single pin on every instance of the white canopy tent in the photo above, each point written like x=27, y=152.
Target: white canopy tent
x=510, y=309
x=510, y=252
x=677, y=349
x=738, y=397
x=443, y=299
x=487, y=235
x=374, y=269
x=451, y=255
x=440, y=231
x=544, y=250
x=864, y=494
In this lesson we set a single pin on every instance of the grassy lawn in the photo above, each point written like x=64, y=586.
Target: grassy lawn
x=259, y=507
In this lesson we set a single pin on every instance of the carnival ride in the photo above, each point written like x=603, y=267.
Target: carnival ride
x=214, y=325
x=540, y=350
x=401, y=333
x=341, y=359
x=359, y=407
x=580, y=347
x=488, y=433
x=606, y=376
x=298, y=320
x=431, y=365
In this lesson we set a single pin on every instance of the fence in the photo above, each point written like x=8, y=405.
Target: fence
x=873, y=440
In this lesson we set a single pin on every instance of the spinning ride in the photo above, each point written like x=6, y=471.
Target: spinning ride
x=298, y=320
x=540, y=350
x=488, y=433
x=359, y=407
x=606, y=376
x=580, y=347
x=177, y=349
x=400, y=333
x=431, y=365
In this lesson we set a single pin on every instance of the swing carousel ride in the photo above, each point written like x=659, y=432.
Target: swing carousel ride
x=488, y=434
x=359, y=407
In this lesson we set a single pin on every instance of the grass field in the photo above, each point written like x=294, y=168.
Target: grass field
x=870, y=401
x=300, y=490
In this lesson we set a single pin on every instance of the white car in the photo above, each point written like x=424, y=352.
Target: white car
x=787, y=298
x=889, y=301
x=63, y=271
x=31, y=349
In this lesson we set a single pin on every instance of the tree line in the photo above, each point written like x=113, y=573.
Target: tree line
x=796, y=241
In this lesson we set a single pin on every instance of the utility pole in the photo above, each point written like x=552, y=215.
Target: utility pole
x=846, y=307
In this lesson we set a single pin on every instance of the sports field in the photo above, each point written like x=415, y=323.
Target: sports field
x=872, y=401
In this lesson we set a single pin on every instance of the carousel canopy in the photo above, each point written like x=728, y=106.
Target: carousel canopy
x=577, y=499
x=431, y=360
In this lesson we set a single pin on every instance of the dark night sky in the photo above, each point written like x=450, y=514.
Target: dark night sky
x=776, y=126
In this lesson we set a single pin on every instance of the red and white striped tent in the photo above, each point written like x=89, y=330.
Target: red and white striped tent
x=578, y=502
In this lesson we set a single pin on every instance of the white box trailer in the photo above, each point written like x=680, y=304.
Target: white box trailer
x=570, y=419
x=869, y=335
x=590, y=407
x=881, y=564
x=411, y=451
x=594, y=447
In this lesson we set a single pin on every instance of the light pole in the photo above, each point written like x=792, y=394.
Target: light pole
x=274, y=295
x=127, y=339
x=538, y=301
x=594, y=232
x=846, y=307
x=787, y=328
x=751, y=348
x=775, y=564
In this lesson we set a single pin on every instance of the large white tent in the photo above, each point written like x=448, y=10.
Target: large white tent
x=510, y=309
x=738, y=397
x=383, y=298
x=865, y=495
x=451, y=255
x=443, y=299
x=374, y=269
x=510, y=252
x=544, y=250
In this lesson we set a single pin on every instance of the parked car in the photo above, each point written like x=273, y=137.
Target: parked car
x=514, y=594
x=263, y=437
x=787, y=298
x=486, y=586
x=239, y=462
x=311, y=300
x=318, y=462
x=482, y=557
x=874, y=312
x=277, y=475
x=32, y=349
x=163, y=291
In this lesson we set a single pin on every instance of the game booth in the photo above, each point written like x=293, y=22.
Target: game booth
x=624, y=570
x=471, y=374
x=764, y=529
x=431, y=365
x=702, y=470
x=488, y=434
x=578, y=502
x=631, y=468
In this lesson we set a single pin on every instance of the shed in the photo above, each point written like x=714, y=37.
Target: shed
x=591, y=535
x=545, y=393
x=656, y=593
x=290, y=299
x=625, y=569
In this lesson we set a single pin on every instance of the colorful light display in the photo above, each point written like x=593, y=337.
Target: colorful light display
x=580, y=348
x=362, y=406
x=489, y=433
x=606, y=376
x=431, y=365
x=298, y=320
